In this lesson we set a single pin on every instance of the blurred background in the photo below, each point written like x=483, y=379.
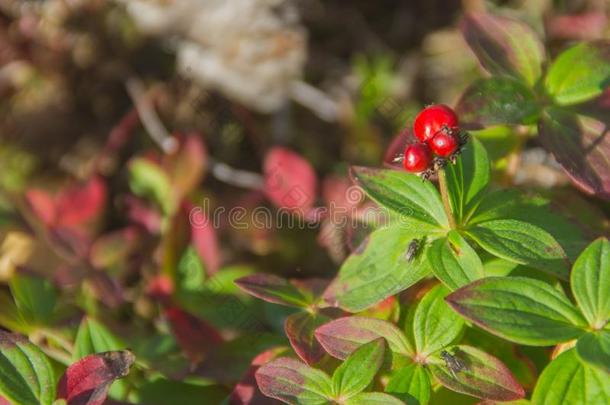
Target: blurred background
x=117, y=118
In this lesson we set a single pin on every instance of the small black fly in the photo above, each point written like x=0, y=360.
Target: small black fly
x=413, y=250
x=454, y=364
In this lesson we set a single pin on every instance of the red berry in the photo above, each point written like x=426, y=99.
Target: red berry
x=432, y=119
x=417, y=157
x=444, y=144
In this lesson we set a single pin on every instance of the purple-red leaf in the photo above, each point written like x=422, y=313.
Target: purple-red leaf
x=582, y=146
x=77, y=204
x=343, y=336
x=300, y=328
x=204, y=239
x=476, y=373
x=290, y=181
x=505, y=46
x=42, y=205
x=293, y=382
x=87, y=381
x=81, y=203
x=275, y=289
x=195, y=336
x=580, y=27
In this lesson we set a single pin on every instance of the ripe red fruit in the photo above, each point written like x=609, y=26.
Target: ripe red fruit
x=432, y=119
x=444, y=144
x=417, y=157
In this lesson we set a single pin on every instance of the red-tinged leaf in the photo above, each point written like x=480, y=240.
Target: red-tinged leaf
x=275, y=289
x=293, y=382
x=290, y=181
x=343, y=336
x=582, y=146
x=186, y=165
x=141, y=213
x=79, y=204
x=505, y=46
x=300, y=328
x=4, y=401
x=580, y=27
x=42, y=205
x=113, y=247
x=87, y=381
x=480, y=375
x=246, y=391
x=385, y=310
x=204, y=239
x=195, y=336
x=160, y=287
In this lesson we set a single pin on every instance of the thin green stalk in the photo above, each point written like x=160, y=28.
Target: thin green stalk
x=442, y=182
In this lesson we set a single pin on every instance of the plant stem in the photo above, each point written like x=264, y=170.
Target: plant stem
x=442, y=182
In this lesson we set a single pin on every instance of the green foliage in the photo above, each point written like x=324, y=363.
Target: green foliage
x=567, y=380
x=579, y=73
x=358, y=370
x=35, y=298
x=26, y=374
x=454, y=261
x=523, y=310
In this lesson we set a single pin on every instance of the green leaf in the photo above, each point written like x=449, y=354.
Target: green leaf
x=26, y=374
x=537, y=211
x=93, y=337
x=519, y=309
x=373, y=398
x=359, y=369
x=594, y=348
x=435, y=325
x=581, y=146
x=10, y=317
x=590, y=281
x=454, y=262
x=498, y=100
x=579, y=73
x=147, y=179
x=411, y=384
x=505, y=46
x=35, y=298
x=523, y=243
x=468, y=178
x=378, y=268
x=479, y=375
x=343, y=336
x=293, y=382
x=404, y=194
x=566, y=380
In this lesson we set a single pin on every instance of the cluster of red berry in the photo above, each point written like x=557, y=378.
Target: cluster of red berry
x=437, y=129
